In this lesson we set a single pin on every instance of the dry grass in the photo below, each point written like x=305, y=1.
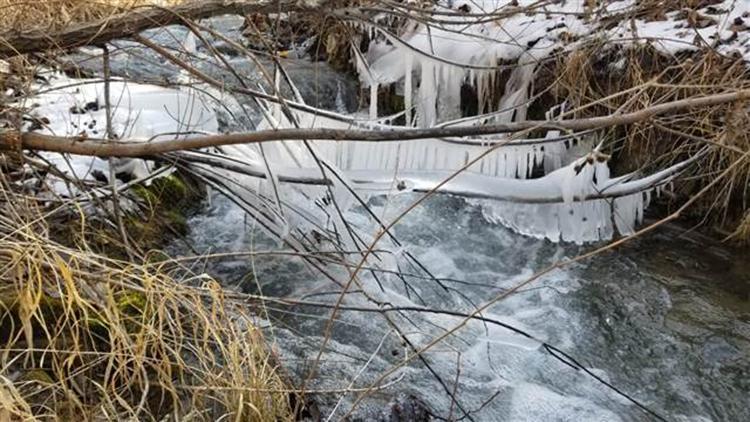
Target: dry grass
x=741, y=234
x=55, y=14
x=608, y=79
x=87, y=337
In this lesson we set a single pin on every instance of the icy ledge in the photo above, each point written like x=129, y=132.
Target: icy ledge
x=577, y=203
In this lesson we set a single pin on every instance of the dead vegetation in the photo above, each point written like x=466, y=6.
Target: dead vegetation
x=602, y=80
x=88, y=337
x=57, y=14
x=92, y=338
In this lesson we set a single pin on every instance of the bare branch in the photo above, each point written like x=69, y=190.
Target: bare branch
x=104, y=148
x=126, y=24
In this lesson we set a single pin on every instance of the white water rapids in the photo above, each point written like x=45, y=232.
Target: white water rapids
x=669, y=328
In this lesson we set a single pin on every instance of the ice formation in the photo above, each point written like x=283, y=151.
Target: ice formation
x=539, y=187
x=431, y=61
x=298, y=191
x=503, y=156
x=576, y=203
x=442, y=56
x=76, y=107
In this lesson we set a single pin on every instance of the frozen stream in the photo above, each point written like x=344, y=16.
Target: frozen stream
x=665, y=319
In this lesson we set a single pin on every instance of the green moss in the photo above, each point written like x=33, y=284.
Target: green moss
x=156, y=257
x=131, y=301
x=169, y=192
x=166, y=204
x=37, y=375
x=170, y=188
x=164, y=207
x=145, y=194
x=177, y=221
x=97, y=324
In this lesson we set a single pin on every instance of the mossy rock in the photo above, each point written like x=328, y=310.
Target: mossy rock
x=165, y=206
x=172, y=192
x=161, y=215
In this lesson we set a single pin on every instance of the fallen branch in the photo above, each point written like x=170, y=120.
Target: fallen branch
x=125, y=24
x=466, y=185
x=9, y=139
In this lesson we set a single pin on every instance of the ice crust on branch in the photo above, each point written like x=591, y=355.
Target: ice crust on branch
x=290, y=187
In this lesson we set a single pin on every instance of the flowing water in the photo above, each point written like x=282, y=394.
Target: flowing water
x=665, y=319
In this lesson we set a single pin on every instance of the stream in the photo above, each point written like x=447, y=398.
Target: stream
x=665, y=318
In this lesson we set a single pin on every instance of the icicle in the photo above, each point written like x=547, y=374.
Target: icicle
x=576, y=219
x=449, y=91
x=427, y=96
x=516, y=95
x=408, y=88
x=373, y=100
x=601, y=172
x=638, y=199
x=538, y=156
x=481, y=88
x=276, y=107
x=340, y=104
x=567, y=188
x=507, y=160
x=624, y=214
x=523, y=165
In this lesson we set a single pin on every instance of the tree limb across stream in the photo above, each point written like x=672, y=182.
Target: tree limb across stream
x=13, y=140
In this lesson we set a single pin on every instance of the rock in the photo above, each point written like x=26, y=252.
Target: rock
x=407, y=408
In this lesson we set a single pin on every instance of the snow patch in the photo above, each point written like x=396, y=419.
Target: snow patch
x=70, y=107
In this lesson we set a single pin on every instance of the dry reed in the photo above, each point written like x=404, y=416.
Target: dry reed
x=88, y=337
x=609, y=79
x=27, y=15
